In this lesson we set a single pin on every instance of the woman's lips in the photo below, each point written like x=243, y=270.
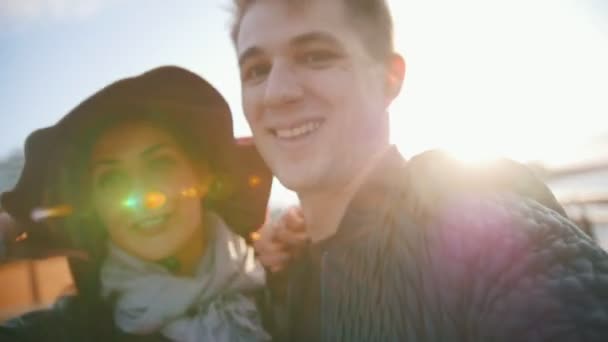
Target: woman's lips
x=152, y=224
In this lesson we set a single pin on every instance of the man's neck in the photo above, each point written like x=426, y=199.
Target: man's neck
x=323, y=210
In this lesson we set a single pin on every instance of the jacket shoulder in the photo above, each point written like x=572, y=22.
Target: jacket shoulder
x=519, y=269
x=432, y=178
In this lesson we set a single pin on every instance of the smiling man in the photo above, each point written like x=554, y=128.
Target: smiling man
x=391, y=259
x=316, y=99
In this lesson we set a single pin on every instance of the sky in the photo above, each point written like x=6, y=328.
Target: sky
x=527, y=79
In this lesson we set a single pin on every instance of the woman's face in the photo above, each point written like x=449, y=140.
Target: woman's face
x=146, y=190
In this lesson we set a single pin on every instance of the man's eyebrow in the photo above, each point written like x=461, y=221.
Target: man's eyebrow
x=317, y=36
x=306, y=38
x=249, y=53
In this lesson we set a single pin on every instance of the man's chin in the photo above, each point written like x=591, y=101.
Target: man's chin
x=299, y=183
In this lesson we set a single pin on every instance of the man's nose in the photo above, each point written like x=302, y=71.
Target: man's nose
x=283, y=85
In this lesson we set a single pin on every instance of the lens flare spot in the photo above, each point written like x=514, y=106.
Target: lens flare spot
x=130, y=202
x=154, y=200
x=40, y=214
x=254, y=181
x=190, y=192
x=21, y=237
x=255, y=236
x=196, y=192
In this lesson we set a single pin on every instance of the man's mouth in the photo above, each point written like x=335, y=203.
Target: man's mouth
x=298, y=131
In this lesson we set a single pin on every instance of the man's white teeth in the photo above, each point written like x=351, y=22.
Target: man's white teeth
x=296, y=132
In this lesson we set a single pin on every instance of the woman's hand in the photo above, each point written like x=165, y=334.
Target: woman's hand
x=278, y=242
x=14, y=244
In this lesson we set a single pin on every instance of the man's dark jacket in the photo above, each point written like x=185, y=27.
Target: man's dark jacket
x=432, y=251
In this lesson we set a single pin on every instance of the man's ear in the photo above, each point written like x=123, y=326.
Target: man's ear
x=395, y=74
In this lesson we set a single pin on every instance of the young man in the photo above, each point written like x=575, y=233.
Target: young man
x=388, y=261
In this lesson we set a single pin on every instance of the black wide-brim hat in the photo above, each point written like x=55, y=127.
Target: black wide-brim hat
x=186, y=102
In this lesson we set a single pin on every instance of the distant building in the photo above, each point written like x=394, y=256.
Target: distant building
x=584, y=194
x=10, y=168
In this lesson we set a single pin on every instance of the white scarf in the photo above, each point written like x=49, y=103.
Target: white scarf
x=212, y=306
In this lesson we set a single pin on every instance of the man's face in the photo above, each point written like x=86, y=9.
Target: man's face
x=313, y=96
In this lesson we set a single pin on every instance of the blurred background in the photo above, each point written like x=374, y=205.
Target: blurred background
x=525, y=79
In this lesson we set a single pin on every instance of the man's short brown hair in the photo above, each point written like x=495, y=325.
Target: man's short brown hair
x=371, y=18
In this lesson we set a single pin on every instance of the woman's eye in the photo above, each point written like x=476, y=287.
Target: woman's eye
x=112, y=181
x=256, y=72
x=162, y=165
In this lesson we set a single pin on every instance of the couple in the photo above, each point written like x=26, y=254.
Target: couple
x=163, y=200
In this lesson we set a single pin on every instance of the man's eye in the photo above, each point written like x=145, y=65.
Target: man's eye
x=318, y=58
x=256, y=72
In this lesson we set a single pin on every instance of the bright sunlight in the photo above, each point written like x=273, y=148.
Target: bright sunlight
x=521, y=79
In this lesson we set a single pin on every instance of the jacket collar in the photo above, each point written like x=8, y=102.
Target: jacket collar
x=373, y=198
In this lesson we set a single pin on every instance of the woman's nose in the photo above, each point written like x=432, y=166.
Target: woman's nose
x=150, y=200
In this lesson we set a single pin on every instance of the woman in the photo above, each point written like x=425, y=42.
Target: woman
x=145, y=178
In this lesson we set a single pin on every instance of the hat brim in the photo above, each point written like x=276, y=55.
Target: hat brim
x=243, y=208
